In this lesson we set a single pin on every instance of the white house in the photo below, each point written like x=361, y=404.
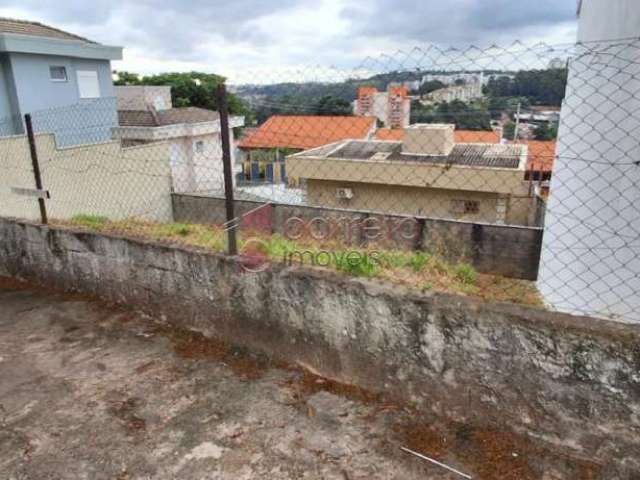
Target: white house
x=194, y=134
x=591, y=248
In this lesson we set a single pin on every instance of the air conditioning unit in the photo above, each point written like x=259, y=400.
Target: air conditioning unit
x=344, y=193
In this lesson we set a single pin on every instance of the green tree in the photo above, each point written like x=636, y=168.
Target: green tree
x=430, y=86
x=127, y=78
x=330, y=105
x=509, y=130
x=546, y=131
x=188, y=89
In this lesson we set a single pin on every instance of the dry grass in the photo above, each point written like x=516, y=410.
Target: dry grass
x=425, y=271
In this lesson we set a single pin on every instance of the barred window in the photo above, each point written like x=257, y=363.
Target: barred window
x=460, y=206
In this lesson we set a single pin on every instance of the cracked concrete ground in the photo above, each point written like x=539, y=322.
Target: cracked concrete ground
x=90, y=391
x=87, y=392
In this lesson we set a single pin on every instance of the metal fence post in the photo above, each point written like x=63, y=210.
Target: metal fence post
x=228, y=171
x=36, y=166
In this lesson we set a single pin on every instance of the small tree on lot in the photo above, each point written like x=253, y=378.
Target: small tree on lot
x=546, y=131
x=509, y=130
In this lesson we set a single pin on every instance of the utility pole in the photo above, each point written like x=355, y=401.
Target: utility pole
x=515, y=130
x=231, y=224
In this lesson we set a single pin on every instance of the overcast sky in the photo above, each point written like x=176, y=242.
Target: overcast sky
x=229, y=37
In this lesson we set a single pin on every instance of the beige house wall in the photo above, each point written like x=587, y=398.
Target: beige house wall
x=100, y=179
x=409, y=174
x=419, y=201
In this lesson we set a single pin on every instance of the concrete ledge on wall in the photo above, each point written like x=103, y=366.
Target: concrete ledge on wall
x=570, y=381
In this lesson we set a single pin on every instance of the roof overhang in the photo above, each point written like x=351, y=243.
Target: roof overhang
x=16, y=43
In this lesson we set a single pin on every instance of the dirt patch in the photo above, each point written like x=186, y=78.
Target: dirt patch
x=305, y=384
x=192, y=345
x=13, y=285
x=426, y=439
x=491, y=454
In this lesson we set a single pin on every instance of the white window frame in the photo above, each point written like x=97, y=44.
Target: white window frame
x=88, y=90
x=64, y=69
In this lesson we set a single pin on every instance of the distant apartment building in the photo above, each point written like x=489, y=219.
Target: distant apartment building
x=463, y=93
x=426, y=173
x=453, y=78
x=411, y=85
x=145, y=115
x=392, y=108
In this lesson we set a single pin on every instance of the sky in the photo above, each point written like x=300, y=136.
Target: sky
x=275, y=38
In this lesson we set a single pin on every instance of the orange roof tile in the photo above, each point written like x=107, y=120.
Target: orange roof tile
x=399, y=91
x=307, y=131
x=541, y=155
x=395, y=134
x=461, y=136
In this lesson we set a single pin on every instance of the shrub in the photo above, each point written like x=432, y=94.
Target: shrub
x=418, y=260
x=174, y=230
x=466, y=274
x=91, y=221
x=362, y=265
x=279, y=247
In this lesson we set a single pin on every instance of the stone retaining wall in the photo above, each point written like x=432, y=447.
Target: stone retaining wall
x=571, y=381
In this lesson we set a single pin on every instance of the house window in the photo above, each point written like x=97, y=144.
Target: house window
x=198, y=146
x=88, y=84
x=463, y=207
x=58, y=74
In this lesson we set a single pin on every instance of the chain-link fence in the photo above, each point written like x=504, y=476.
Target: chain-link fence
x=505, y=173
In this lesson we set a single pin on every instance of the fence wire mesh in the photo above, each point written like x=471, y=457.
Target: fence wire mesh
x=505, y=173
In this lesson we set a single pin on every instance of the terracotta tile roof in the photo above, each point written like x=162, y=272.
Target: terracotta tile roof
x=291, y=131
x=36, y=29
x=461, y=136
x=171, y=116
x=541, y=156
x=399, y=91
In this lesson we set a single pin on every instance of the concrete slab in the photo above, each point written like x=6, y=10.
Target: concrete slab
x=89, y=392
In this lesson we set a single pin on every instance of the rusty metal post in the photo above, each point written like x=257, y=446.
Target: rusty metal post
x=36, y=166
x=231, y=224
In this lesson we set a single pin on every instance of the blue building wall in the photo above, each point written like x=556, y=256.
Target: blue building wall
x=56, y=106
x=36, y=91
x=5, y=103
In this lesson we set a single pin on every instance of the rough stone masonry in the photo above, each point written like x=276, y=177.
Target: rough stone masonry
x=573, y=382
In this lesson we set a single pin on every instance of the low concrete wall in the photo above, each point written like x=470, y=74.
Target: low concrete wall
x=497, y=249
x=97, y=179
x=570, y=381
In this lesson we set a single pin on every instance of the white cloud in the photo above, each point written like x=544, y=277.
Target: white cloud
x=252, y=40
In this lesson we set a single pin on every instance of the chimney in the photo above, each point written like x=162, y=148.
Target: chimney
x=428, y=139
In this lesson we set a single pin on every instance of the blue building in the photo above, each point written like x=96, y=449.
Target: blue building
x=62, y=79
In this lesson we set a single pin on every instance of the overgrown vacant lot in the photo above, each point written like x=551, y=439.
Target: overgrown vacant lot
x=94, y=391
x=428, y=270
